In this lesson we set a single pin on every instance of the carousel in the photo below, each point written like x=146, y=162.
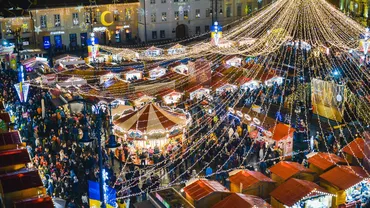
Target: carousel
x=152, y=126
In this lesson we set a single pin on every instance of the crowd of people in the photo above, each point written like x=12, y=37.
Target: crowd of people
x=52, y=134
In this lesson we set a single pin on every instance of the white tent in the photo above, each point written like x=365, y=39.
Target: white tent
x=133, y=74
x=235, y=61
x=181, y=69
x=277, y=79
x=73, y=81
x=157, y=72
x=252, y=85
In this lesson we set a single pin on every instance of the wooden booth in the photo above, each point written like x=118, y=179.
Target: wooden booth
x=13, y=160
x=354, y=151
x=300, y=194
x=323, y=161
x=35, y=202
x=205, y=193
x=347, y=183
x=285, y=170
x=251, y=182
x=20, y=185
x=11, y=140
x=236, y=200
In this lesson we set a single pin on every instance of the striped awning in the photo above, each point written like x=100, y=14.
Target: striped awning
x=150, y=119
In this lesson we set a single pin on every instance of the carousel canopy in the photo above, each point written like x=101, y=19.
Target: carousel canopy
x=150, y=119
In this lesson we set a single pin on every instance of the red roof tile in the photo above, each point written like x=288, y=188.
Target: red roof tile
x=42, y=202
x=293, y=190
x=248, y=178
x=285, y=169
x=237, y=200
x=201, y=188
x=325, y=161
x=351, y=174
x=355, y=148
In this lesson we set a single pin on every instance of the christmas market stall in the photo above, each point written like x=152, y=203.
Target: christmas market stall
x=36, y=63
x=66, y=59
x=285, y=170
x=35, y=202
x=298, y=193
x=11, y=140
x=19, y=185
x=205, y=193
x=176, y=49
x=324, y=161
x=115, y=86
x=234, y=61
x=170, y=97
x=153, y=52
x=120, y=107
x=157, y=72
x=133, y=75
x=242, y=200
x=199, y=92
x=108, y=76
x=181, y=69
x=282, y=136
x=354, y=151
x=349, y=184
x=251, y=182
x=168, y=197
x=13, y=160
x=220, y=84
x=72, y=81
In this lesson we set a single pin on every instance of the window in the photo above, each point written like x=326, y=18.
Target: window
x=186, y=14
x=197, y=30
x=197, y=13
x=153, y=17
x=75, y=19
x=154, y=34
x=43, y=21
x=87, y=17
x=206, y=28
x=128, y=14
x=239, y=9
x=163, y=1
x=164, y=16
x=57, y=20
x=175, y=0
x=152, y=1
x=162, y=34
x=248, y=8
x=228, y=10
x=208, y=12
x=176, y=15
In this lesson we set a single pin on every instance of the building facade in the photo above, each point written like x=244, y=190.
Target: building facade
x=357, y=9
x=71, y=26
x=170, y=19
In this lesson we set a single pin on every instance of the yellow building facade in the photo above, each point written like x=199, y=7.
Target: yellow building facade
x=71, y=27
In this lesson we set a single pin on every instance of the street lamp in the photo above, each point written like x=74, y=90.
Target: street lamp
x=86, y=138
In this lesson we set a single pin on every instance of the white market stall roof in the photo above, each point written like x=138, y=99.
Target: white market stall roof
x=157, y=72
x=235, y=61
x=150, y=119
x=181, y=69
x=73, y=81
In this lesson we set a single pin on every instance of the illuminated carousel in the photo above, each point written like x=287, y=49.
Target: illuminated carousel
x=152, y=127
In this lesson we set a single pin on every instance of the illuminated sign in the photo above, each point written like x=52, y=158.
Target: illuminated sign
x=57, y=33
x=46, y=42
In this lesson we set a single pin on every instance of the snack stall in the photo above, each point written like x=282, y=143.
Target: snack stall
x=181, y=69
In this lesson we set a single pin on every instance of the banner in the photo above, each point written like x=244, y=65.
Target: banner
x=94, y=196
x=328, y=99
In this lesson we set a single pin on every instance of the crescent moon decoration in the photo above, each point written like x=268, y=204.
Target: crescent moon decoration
x=102, y=19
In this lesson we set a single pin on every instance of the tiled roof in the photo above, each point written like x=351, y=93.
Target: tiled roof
x=237, y=200
x=325, y=160
x=201, y=188
x=293, y=190
x=285, y=169
x=248, y=178
x=344, y=177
